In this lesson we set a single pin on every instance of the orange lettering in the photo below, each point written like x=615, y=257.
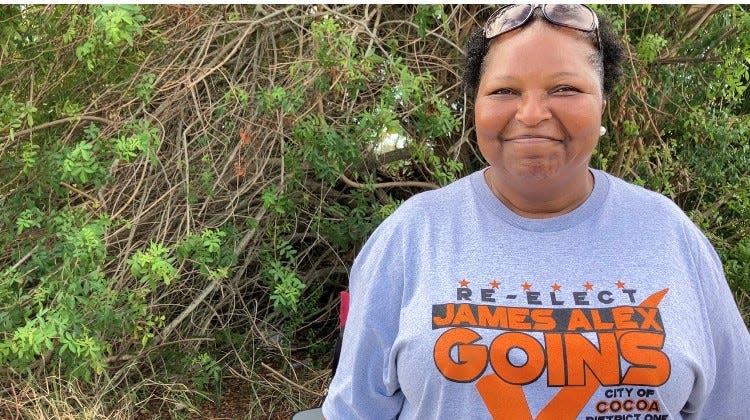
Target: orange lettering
x=569, y=401
x=649, y=321
x=555, y=362
x=623, y=317
x=600, y=325
x=649, y=365
x=472, y=358
x=582, y=355
x=578, y=321
x=543, y=320
x=601, y=406
x=464, y=316
x=504, y=400
x=449, y=313
x=519, y=375
x=492, y=319
x=517, y=319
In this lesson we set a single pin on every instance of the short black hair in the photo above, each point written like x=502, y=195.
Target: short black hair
x=611, y=55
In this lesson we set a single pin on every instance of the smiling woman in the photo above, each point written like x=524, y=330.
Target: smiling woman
x=537, y=116
x=535, y=287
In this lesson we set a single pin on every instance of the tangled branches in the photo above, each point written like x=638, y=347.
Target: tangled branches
x=185, y=187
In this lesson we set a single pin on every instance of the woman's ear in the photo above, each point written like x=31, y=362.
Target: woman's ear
x=604, y=105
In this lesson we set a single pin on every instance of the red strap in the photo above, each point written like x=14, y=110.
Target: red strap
x=343, y=309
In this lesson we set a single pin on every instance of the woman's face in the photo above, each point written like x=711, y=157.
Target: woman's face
x=539, y=105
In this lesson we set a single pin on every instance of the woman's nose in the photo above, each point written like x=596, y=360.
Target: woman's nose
x=533, y=109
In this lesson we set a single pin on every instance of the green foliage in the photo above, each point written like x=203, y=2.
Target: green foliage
x=737, y=265
x=331, y=44
x=15, y=115
x=210, y=250
x=650, y=46
x=287, y=287
x=145, y=87
x=61, y=309
x=207, y=371
x=276, y=98
x=280, y=274
x=114, y=25
x=45, y=316
x=427, y=15
x=30, y=217
x=239, y=94
x=444, y=170
x=80, y=164
x=153, y=266
x=276, y=201
x=324, y=148
x=139, y=139
x=119, y=205
x=29, y=153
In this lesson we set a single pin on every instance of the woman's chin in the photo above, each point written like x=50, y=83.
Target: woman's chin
x=533, y=170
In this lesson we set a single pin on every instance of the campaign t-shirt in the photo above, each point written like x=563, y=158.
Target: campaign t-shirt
x=617, y=310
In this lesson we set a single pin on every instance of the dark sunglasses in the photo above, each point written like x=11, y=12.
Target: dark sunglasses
x=575, y=16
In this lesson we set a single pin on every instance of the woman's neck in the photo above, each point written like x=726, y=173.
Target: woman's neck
x=538, y=199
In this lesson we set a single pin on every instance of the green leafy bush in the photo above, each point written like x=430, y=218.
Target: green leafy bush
x=185, y=187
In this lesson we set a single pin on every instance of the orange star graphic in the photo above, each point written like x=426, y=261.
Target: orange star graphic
x=556, y=287
x=495, y=284
x=526, y=286
x=588, y=286
x=463, y=282
x=620, y=284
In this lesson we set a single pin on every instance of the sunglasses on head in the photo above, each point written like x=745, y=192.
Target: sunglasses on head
x=575, y=16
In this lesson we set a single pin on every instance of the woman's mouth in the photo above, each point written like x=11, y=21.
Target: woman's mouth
x=530, y=140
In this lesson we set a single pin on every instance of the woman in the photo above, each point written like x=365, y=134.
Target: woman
x=538, y=287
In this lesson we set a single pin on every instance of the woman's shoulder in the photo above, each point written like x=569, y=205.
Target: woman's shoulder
x=633, y=196
x=639, y=202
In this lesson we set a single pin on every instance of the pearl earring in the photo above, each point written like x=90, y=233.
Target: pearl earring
x=602, y=130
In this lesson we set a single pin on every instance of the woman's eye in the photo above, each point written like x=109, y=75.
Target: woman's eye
x=504, y=91
x=565, y=90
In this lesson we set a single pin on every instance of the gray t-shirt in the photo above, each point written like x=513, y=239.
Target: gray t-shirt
x=618, y=310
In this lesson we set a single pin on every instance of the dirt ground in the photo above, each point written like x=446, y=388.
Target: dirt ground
x=235, y=404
